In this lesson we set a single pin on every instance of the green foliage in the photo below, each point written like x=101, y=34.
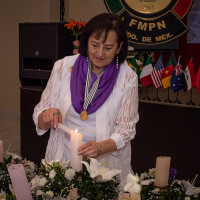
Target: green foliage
x=93, y=189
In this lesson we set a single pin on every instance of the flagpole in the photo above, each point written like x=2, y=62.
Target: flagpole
x=177, y=101
x=168, y=100
x=156, y=98
x=146, y=97
x=190, y=102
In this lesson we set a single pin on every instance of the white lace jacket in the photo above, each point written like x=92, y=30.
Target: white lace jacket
x=116, y=118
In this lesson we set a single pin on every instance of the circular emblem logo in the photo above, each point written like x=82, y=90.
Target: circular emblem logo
x=151, y=22
x=147, y=7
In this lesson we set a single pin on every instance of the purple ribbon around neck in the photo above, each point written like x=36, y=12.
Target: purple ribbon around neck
x=78, y=80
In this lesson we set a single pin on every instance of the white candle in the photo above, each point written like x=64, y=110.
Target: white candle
x=162, y=171
x=76, y=142
x=1, y=151
x=65, y=128
x=19, y=181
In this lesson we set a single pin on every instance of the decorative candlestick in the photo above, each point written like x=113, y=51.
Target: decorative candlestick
x=1, y=151
x=162, y=171
x=19, y=181
x=76, y=142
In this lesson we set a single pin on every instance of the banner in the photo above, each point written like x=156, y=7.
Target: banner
x=151, y=22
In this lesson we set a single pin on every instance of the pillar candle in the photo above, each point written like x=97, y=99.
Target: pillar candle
x=162, y=171
x=76, y=142
x=1, y=151
x=19, y=182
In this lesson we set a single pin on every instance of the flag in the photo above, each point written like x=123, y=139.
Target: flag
x=157, y=72
x=198, y=79
x=177, y=77
x=167, y=73
x=189, y=76
x=132, y=63
x=145, y=76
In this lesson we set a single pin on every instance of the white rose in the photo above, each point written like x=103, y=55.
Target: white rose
x=35, y=181
x=39, y=192
x=52, y=174
x=32, y=166
x=187, y=198
x=69, y=174
x=50, y=193
x=42, y=181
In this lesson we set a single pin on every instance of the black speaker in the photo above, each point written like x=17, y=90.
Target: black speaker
x=40, y=45
x=33, y=147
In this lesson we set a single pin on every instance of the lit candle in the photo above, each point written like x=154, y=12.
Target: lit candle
x=1, y=151
x=76, y=142
x=19, y=182
x=162, y=171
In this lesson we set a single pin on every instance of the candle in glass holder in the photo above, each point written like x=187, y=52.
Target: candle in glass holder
x=162, y=171
x=19, y=182
x=1, y=151
x=76, y=142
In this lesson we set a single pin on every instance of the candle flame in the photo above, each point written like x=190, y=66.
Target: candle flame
x=76, y=130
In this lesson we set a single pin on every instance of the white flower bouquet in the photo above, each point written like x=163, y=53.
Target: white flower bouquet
x=143, y=188
x=57, y=180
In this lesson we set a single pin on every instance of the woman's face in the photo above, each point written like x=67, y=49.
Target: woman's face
x=100, y=52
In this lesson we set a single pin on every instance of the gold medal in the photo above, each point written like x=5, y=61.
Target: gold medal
x=83, y=115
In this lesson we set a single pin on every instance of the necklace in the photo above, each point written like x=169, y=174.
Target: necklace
x=89, y=93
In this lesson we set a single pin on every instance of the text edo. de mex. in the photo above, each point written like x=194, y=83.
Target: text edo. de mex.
x=151, y=22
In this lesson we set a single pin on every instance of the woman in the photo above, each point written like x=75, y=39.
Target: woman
x=99, y=97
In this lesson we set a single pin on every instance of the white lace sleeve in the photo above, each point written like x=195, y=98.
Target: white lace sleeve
x=125, y=127
x=48, y=93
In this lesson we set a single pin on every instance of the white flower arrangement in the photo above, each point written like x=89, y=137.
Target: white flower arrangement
x=145, y=187
x=56, y=180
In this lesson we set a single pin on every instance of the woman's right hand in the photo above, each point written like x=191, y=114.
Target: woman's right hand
x=49, y=119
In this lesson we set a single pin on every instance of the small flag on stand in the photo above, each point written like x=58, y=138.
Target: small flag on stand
x=167, y=73
x=189, y=81
x=198, y=79
x=177, y=77
x=157, y=72
x=145, y=76
x=132, y=63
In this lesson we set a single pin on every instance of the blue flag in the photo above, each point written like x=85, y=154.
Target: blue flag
x=177, y=77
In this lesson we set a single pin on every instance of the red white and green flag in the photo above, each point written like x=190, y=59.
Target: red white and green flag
x=167, y=73
x=189, y=75
x=145, y=76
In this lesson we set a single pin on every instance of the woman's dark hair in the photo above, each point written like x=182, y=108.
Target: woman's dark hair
x=104, y=23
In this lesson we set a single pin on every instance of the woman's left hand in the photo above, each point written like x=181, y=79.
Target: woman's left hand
x=90, y=149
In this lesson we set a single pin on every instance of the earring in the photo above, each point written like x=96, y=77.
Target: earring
x=88, y=59
x=117, y=61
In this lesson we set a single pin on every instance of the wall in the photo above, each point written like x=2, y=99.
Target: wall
x=14, y=12
x=84, y=10
x=11, y=13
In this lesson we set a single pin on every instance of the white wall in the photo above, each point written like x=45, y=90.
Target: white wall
x=13, y=12
x=85, y=9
